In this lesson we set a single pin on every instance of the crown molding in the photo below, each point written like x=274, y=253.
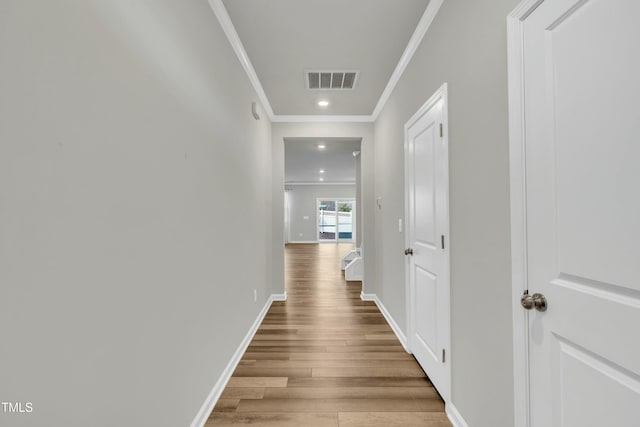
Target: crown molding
x=227, y=26
x=416, y=38
x=323, y=119
x=319, y=183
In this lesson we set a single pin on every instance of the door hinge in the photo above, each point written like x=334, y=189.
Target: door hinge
x=443, y=355
x=441, y=131
x=442, y=241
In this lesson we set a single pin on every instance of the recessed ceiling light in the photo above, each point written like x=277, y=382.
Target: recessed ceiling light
x=321, y=146
x=321, y=179
x=321, y=170
x=323, y=103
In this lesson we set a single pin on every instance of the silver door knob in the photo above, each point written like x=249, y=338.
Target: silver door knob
x=408, y=251
x=537, y=301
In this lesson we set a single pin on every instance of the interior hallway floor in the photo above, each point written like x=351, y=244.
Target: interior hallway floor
x=326, y=358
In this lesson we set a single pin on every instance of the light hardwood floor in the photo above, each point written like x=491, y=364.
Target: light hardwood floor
x=326, y=358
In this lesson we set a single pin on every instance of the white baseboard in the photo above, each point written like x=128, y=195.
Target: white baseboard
x=279, y=297
x=203, y=414
x=394, y=326
x=454, y=416
x=302, y=242
x=367, y=297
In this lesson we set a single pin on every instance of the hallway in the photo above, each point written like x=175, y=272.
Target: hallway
x=326, y=358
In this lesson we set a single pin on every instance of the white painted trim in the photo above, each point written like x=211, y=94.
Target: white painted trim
x=302, y=242
x=441, y=93
x=415, y=40
x=515, y=42
x=445, y=276
x=227, y=26
x=454, y=416
x=367, y=297
x=322, y=119
x=208, y=405
x=279, y=297
x=394, y=326
x=320, y=183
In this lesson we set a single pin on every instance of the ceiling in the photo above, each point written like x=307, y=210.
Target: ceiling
x=303, y=160
x=285, y=38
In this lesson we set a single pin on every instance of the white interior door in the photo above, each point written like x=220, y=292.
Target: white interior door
x=426, y=165
x=582, y=149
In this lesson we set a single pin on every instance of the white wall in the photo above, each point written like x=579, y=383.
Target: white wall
x=303, y=203
x=280, y=131
x=132, y=175
x=465, y=47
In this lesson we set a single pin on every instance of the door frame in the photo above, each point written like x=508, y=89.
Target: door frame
x=440, y=94
x=518, y=193
x=353, y=218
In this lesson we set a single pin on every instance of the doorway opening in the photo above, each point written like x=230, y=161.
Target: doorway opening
x=322, y=189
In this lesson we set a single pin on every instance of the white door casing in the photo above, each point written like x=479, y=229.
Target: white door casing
x=427, y=235
x=575, y=132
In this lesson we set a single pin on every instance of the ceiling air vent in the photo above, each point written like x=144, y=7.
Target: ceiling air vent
x=331, y=79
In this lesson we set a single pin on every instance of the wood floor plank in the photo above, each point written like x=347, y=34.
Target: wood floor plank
x=313, y=336
x=269, y=355
x=413, y=371
x=359, y=382
x=307, y=342
x=363, y=349
x=341, y=405
x=328, y=363
x=349, y=392
x=308, y=419
x=352, y=356
x=325, y=358
x=245, y=392
x=289, y=348
x=257, y=382
x=226, y=405
x=245, y=371
x=386, y=419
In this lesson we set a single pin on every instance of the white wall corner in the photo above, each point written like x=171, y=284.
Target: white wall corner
x=394, y=326
x=208, y=405
x=454, y=416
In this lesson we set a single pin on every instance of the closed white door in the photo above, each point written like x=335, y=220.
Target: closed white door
x=582, y=151
x=426, y=165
